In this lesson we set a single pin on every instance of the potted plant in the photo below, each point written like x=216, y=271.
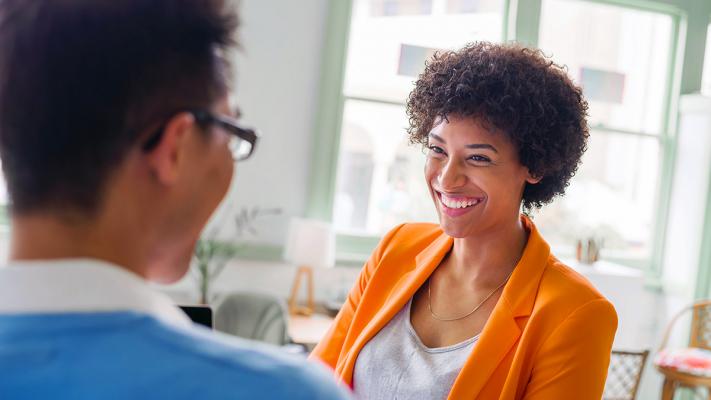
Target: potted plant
x=212, y=254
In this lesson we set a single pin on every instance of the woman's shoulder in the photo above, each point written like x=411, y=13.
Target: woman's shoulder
x=566, y=291
x=401, y=245
x=409, y=237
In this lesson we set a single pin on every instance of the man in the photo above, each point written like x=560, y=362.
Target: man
x=117, y=143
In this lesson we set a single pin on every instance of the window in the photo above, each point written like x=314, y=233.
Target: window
x=624, y=69
x=706, y=80
x=630, y=68
x=379, y=176
x=624, y=65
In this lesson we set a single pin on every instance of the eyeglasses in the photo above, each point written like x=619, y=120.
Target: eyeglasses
x=242, y=142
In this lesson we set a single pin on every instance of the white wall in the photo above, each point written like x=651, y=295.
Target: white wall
x=278, y=75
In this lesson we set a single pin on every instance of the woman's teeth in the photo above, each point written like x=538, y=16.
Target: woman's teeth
x=453, y=203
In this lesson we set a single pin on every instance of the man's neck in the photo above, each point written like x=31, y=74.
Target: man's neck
x=47, y=237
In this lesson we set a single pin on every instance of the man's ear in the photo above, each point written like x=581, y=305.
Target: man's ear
x=164, y=159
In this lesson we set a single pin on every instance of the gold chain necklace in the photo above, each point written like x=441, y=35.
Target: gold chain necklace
x=439, y=318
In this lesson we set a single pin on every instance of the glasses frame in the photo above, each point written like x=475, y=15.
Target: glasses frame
x=204, y=118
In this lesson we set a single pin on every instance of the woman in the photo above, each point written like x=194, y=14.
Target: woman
x=478, y=307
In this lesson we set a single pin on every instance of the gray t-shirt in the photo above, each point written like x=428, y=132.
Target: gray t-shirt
x=395, y=364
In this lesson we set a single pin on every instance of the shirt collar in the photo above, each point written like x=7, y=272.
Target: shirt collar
x=81, y=285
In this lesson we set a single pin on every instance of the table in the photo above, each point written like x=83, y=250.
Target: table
x=308, y=330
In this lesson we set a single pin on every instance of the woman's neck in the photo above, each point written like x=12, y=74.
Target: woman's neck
x=486, y=259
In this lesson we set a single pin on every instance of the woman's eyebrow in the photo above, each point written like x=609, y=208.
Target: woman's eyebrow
x=469, y=146
x=482, y=146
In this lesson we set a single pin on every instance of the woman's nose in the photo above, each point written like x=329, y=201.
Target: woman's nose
x=451, y=176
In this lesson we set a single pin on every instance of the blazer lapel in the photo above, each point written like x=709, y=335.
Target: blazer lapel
x=425, y=263
x=496, y=340
x=502, y=332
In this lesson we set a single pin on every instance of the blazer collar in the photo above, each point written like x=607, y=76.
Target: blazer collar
x=502, y=331
x=520, y=292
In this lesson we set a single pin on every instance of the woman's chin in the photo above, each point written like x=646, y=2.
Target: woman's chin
x=453, y=229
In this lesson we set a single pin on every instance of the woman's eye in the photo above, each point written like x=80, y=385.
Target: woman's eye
x=436, y=149
x=480, y=159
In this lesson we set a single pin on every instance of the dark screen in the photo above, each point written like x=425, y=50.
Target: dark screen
x=199, y=314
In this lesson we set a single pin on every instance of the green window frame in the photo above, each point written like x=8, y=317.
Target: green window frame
x=703, y=279
x=521, y=23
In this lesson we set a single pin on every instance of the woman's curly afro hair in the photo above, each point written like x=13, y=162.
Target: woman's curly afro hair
x=513, y=90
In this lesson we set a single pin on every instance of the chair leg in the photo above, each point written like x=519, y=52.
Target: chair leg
x=668, y=389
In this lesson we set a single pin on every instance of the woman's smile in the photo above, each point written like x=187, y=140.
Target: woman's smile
x=457, y=205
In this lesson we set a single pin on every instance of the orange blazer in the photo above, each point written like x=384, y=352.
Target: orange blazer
x=548, y=337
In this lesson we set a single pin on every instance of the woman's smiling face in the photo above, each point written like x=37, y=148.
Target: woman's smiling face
x=474, y=176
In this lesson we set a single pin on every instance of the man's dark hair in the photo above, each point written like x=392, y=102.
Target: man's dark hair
x=513, y=90
x=80, y=80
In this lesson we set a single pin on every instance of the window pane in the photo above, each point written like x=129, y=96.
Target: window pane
x=390, y=40
x=389, y=8
x=380, y=176
x=620, y=56
x=473, y=6
x=706, y=80
x=612, y=197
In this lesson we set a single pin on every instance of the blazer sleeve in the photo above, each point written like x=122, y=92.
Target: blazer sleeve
x=573, y=361
x=330, y=347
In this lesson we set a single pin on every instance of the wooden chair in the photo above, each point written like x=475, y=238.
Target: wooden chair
x=700, y=338
x=624, y=374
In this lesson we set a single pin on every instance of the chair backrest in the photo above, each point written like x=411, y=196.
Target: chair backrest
x=253, y=315
x=700, y=335
x=624, y=374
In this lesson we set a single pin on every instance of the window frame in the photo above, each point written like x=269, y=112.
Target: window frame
x=703, y=279
x=521, y=23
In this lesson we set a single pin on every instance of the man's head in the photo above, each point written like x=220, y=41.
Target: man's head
x=85, y=84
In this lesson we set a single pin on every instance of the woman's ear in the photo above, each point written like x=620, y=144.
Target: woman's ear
x=533, y=179
x=165, y=158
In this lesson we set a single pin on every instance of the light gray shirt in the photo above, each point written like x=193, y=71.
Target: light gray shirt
x=395, y=364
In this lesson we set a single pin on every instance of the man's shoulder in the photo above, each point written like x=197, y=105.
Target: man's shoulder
x=222, y=363
x=134, y=355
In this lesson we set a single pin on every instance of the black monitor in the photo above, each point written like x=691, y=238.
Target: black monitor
x=199, y=314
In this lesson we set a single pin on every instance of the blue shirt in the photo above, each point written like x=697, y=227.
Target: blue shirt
x=130, y=351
